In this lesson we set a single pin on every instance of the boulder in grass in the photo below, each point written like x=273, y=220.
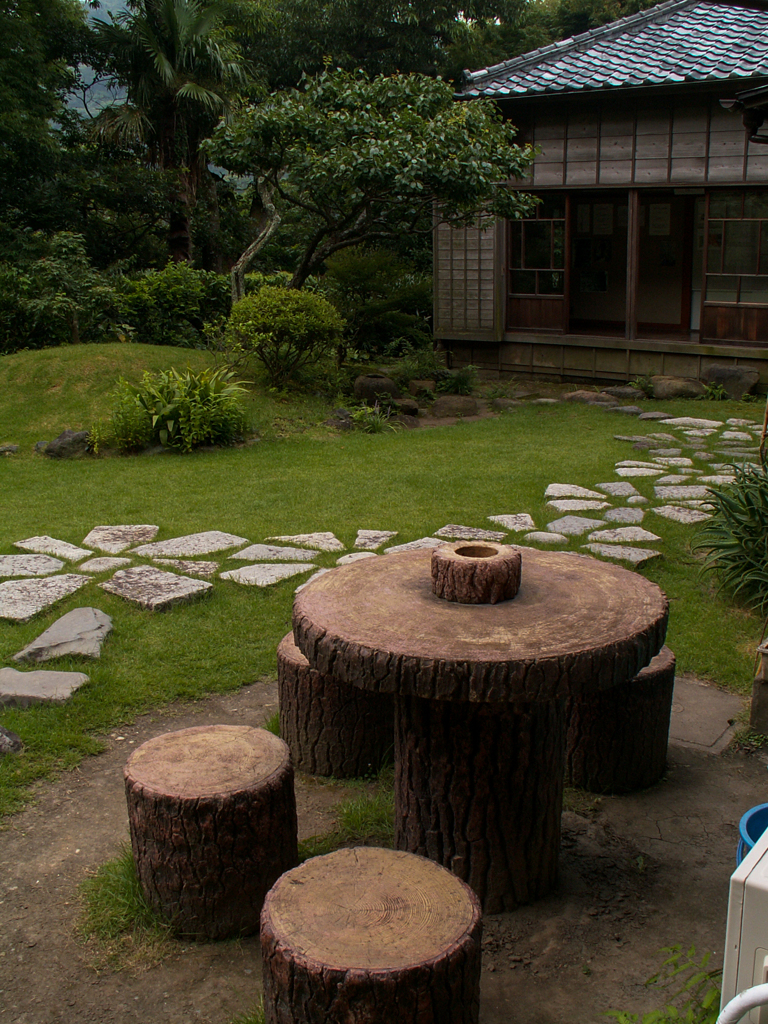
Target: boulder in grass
x=68, y=445
x=10, y=743
x=370, y=387
x=676, y=387
x=736, y=381
x=454, y=405
x=590, y=398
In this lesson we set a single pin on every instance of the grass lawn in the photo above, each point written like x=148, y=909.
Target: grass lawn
x=299, y=477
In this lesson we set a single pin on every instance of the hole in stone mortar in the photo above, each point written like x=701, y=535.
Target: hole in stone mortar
x=477, y=551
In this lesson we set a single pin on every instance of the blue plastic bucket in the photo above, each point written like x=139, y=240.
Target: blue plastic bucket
x=751, y=827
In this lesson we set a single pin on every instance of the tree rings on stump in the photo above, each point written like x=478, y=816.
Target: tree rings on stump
x=476, y=573
x=617, y=738
x=330, y=727
x=212, y=814
x=371, y=935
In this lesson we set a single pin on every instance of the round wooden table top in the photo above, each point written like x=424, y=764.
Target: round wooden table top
x=370, y=909
x=206, y=760
x=576, y=625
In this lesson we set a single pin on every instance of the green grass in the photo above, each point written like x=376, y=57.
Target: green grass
x=364, y=820
x=301, y=477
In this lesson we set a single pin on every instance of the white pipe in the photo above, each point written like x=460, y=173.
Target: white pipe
x=743, y=1003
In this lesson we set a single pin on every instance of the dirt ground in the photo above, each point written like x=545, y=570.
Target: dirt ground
x=637, y=873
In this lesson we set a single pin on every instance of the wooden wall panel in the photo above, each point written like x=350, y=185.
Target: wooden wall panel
x=536, y=313
x=465, y=274
x=734, y=323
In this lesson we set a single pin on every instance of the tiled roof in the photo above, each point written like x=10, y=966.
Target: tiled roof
x=677, y=41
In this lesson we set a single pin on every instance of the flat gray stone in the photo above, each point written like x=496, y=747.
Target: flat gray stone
x=702, y=716
x=539, y=537
x=637, y=556
x=516, y=522
x=700, y=432
x=623, y=535
x=29, y=565
x=104, y=564
x=636, y=462
x=667, y=452
x=51, y=546
x=661, y=436
x=618, y=489
x=355, y=556
x=705, y=456
x=191, y=544
x=624, y=515
x=455, y=532
x=655, y=415
x=575, y=505
x=20, y=689
x=680, y=460
x=628, y=410
x=637, y=499
x=544, y=401
x=314, y=576
x=692, y=421
x=573, y=526
x=8, y=449
x=370, y=540
x=718, y=478
x=153, y=588
x=673, y=478
x=264, y=574
x=318, y=541
x=638, y=471
x=21, y=599
x=681, y=515
x=570, y=491
x=80, y=632
x=735, y=435
x=665, y=493
x=631, y=437
x=10, y=743
x=115, y=539
x=738, y=456
x=694, y=503
x=742, y=423
x=272, y=553
x=190, y=567
x=414, y=545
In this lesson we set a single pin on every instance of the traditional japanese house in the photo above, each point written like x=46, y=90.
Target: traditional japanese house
x=649, y=250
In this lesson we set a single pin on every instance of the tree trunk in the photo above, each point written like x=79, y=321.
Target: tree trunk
x=371, y=935
x=479, y=789
x=267, y=224
x=330, y=727
x=212, y=815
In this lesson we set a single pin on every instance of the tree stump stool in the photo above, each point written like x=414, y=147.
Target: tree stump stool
x=212, y=814
x=617, y=738
x=371, y=935
x=330, y=727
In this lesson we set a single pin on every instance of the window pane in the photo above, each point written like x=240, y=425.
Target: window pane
x=538, y=240
x=551, y=282
x=740, y=256
x=714, y=246
x=522, y=282
x=558, y=236
x=515, y=251
x=725, y=204
x=756, y=204
x=722, y=289
x=754, y=289
x=552, y=207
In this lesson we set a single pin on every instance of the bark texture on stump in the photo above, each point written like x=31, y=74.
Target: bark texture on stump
x=371, y=935
x=330, y=727
x=479, y=789
x=476, y=573
x=617, y=739
x=212, y=814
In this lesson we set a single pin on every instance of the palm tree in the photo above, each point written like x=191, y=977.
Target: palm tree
x=181, y=72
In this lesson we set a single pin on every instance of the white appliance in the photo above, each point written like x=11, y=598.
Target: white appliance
x=745, y=962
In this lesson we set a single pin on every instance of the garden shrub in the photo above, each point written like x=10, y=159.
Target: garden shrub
x=284, y=329
x=172, y=306
x=178, y=410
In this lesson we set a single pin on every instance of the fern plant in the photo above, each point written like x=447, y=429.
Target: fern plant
x=695, y=995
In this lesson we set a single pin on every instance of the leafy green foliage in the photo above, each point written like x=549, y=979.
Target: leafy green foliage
x=735, y=537
x=371, y=419
x=284, y=329
x=367, y=819
x=254, y=1016
x=178, y=410
x=715, y=393
x=272, y=724
x=114, y=901
x=695, y=998
x=461, y=381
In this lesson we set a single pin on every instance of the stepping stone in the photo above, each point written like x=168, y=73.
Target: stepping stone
x=10, y=743
x=637, y=556
x=694, y=503
x=655, y=415
x=264, y=574
x=636, y=438
x=272, y=552
x=625, y=534
x=740, y=456
x=663, y=437
x=414, y=545
x=115, y=539
x=314, y=576
x=691, y=421
x=735, y=435
x=153, y=588
x=79, y=632
x=671, y=461
x=189, y=567
x=570, y=491
x=103, y=564
x=538, y=537
x=635, y=462
x=743, y=423
x=21, y=599
x=191, y=544
x=718, y=478
x=370, y=540
x=624, y=515
x=667, y=452
x=544, y=401
x=618, y=489
x=318, y=541
x=628, y=410
x=681, y=515
x=638, y=471
x=664, y=493
x=20, y=689
x=699, y=432
x=637, y=499
x=468, y=533
x=574, y=505
x=355, y=556
x=51, y=546
x=673, y=478
x=516, y=522
x=29, y=565
x=572, y=526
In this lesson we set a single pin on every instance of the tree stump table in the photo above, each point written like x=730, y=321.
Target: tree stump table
x=371, y=935
x=212, y=814
x=331, y=728
x=617, y=739
x=480, y=694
